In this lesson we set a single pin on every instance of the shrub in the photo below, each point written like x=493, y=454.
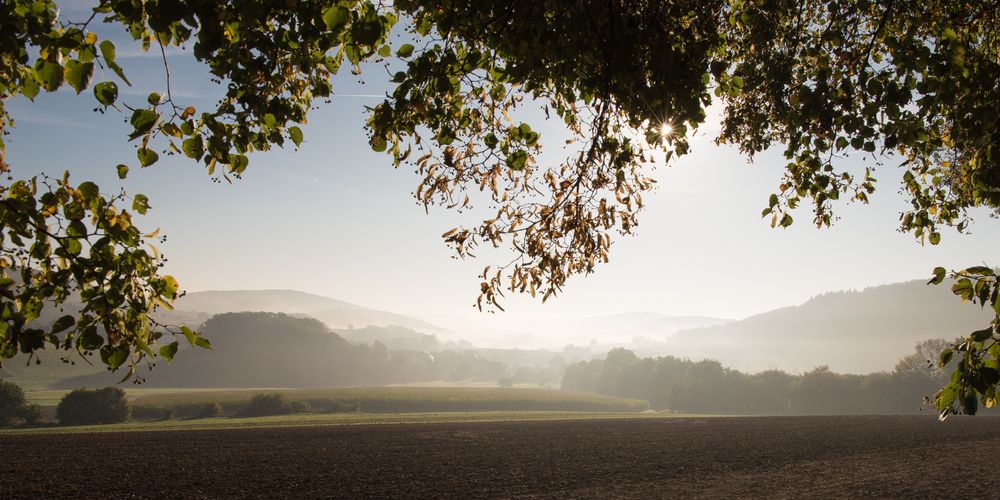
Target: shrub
x=199, y=410
x=14, y=408
x=262, y=405
x=152, y=413
x=93, y=406
x=30, y=413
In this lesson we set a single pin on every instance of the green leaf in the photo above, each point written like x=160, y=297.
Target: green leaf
x=786, y=220
x=384, y=51
x=939, y=274
x=170, y=286
x=140, y=203
x=72, y=246
x=193, y=147
x=945, y=397
x=969, y=403
x=108, y=53
x=295, y=134
x=203, y=343
x=146, y=156
x=192, y=337
x=142, y=120
x=76, y=229
x=945, y=357
x=89, y=190
x=106, y=93
x=405, y=50
x=378, y=144
x=63, y=323
x=517, y=160
x=238, y=163
x=979, y=271
x=981, y=335
x=30, y=88
x=963, y=288
x=154, y=98
x=114, y=357
x=51, y=75
x=168, y=351
x=122, y=171
x=336, y=17
x=90, y=340
x=772, y=201
x=935, y=238
x=78, y=74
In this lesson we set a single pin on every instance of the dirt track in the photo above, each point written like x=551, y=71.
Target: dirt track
x=722, y=457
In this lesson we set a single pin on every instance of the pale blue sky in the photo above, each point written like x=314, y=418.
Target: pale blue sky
x=336, y=219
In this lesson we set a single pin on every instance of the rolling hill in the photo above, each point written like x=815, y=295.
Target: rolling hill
x=334, y=313
x=851, y=331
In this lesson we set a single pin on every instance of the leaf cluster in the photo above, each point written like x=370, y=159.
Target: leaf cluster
x=976, y=358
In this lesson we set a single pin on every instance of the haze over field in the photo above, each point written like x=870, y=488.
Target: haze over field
x=855, y=331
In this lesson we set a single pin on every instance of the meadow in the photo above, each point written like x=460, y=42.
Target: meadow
x=400, y=400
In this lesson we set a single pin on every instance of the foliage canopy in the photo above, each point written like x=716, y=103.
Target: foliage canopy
x=910, y=82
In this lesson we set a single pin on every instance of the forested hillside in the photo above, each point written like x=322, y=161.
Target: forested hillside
x=278, y=350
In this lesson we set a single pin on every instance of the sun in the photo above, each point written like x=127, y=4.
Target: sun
x=666, y=130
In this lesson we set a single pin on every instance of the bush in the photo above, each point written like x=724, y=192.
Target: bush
x=14, y=409
x=262, y=405
x=93, y=406
x=152, y=413
x=199, y=410
x=30, y=414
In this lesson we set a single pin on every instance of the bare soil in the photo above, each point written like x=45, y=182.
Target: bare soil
x=774, y=457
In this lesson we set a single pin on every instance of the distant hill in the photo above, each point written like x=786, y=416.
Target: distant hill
x=850, y=331
x=262, y=349
x=334, y=313
x=609, y=330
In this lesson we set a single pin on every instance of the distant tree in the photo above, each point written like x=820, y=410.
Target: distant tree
x=707, y=386
x=914, y=82
x=506, y=382
x=93, y=406
x=14, y=408
x=924, y=361
x=262, y=405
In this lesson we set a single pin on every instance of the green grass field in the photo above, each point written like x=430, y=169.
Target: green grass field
x=174, y=409
x=374, y=398
x=51, y=397
x=389, y=400
x=313, y=420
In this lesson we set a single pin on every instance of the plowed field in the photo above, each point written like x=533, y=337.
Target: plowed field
x=682, y=457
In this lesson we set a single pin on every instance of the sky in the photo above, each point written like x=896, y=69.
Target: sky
x=336, y=219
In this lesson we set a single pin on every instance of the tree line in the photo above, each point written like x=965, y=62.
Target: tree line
x=706, y=386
